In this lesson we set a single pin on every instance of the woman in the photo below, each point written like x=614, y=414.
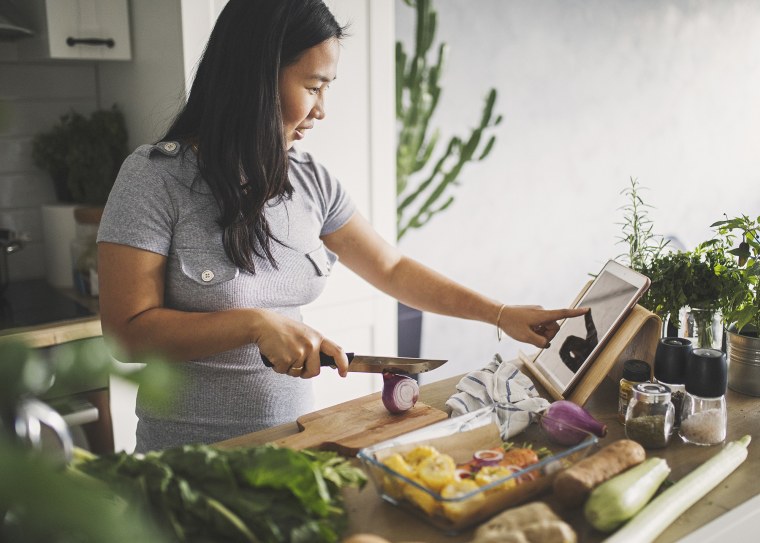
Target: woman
x=214, y=237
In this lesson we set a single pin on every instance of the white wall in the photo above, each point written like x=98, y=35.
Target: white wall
x=592, y=93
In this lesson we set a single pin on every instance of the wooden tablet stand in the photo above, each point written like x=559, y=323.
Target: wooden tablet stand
x=636, y=337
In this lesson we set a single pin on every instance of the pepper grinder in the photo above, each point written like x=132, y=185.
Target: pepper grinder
x=704, y=417
x=670, y=361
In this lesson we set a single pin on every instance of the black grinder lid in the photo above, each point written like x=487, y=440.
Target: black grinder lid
x=707, y=373
x=636, y=371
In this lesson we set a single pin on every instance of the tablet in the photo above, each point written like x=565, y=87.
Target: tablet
x=611, y=296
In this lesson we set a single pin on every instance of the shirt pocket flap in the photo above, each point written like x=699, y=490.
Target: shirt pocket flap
x=207, y=268
x=322, y=259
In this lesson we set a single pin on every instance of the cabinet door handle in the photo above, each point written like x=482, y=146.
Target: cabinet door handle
x=108, y=42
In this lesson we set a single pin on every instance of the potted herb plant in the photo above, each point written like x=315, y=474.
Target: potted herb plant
x=83, y=156
x=739, y=237
x=680, y=279
x=687, y=279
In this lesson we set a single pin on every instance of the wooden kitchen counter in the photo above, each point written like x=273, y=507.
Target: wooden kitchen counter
x=369, y=514
x=57, y=332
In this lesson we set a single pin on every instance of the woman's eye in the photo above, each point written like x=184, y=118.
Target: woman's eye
x=314, y=90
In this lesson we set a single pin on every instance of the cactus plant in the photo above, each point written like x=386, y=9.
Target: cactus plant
x=422, y=193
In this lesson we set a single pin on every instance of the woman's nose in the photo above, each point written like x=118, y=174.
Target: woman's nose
x=319, y=110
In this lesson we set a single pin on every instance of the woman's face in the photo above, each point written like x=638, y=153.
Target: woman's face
x=303, y=86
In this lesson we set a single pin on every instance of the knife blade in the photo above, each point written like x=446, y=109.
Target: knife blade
x=378, y=364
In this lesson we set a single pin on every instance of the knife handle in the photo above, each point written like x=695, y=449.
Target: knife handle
x=324, y=360
x=327, y=360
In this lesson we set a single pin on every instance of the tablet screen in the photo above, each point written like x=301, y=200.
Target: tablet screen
x=608, y=297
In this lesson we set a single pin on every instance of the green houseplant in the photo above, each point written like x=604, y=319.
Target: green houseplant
x=689, y=279
x=739, y=237
x=741, y=299
x=426, y=173
x=424, y=192
x=83, y=154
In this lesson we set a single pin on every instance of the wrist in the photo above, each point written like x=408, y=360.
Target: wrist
x=254, y=321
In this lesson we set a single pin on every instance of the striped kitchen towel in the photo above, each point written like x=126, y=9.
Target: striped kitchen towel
x=501, y=383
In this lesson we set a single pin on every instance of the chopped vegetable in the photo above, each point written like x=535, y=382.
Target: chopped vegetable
x=573, y=485
x=619, y=499
x=456, y=510
x=437, y=471
x=200, y=493
x=400, y=392
x=488, y=457
x=567, y=423
x=662, y=511
x=520, y=457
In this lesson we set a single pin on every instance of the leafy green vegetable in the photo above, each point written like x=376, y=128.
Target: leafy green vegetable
x=40, y=502
x=260, y=494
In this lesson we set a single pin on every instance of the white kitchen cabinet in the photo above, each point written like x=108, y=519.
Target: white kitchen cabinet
x=76, y=29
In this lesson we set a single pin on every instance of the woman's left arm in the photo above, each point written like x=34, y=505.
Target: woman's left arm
x=367, y=254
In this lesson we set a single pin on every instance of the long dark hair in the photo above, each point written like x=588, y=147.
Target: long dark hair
x=233, y=116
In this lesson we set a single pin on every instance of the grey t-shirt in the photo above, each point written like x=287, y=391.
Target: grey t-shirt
x=161, y=204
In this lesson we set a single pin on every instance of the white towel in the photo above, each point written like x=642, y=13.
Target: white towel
x=502, y=383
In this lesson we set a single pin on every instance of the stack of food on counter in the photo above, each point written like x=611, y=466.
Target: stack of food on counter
x=620, y=490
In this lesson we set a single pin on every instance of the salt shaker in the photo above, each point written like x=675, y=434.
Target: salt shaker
x=704, y=417
x=650, y=415
x=670, y=361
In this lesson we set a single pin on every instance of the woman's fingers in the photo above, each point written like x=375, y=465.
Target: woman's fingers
x=535, y=325
x=331, y=348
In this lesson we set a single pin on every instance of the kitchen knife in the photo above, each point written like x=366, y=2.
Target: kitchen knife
x=378, y=364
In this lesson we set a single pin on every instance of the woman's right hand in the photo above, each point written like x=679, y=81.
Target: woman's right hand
x=293, y=348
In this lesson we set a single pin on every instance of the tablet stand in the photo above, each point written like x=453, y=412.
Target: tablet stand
x=636, y=337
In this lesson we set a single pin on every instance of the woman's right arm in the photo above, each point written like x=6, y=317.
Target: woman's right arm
x=133, y=315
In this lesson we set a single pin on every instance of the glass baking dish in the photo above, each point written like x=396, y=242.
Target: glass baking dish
x=461, y=505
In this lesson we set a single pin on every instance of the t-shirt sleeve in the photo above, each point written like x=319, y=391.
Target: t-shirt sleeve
x=139, y=211
x=338, y=205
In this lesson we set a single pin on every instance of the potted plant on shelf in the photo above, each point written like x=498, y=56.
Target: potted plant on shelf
x=83, y=156
x=739, y=238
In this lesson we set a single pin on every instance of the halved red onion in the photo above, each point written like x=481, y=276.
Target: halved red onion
x=400, y=392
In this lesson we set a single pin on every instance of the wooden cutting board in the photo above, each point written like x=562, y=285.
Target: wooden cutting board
x=350, y=426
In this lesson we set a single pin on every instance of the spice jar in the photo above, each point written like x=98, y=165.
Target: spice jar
x=634, y=371
x=670, y=361
x=650, y=414
x=704, y=417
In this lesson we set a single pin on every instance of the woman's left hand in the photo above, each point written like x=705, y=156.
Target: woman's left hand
x=534, y=324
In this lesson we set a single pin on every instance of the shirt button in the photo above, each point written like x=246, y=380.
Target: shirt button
x=170, y=146
x=207, y=275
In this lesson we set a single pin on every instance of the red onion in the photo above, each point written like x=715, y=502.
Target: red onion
x=400, y=392
x=488, y=457
x=564, y=420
